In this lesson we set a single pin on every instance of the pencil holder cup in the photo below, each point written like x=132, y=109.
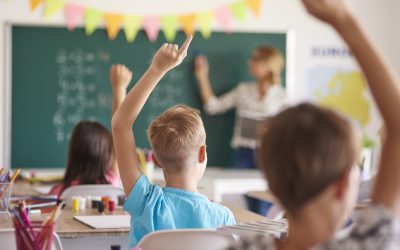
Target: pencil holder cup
x=36, y=237
x=5, y=194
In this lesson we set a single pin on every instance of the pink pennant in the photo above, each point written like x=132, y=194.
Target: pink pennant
x=74, y=15
x=224, y=16
x=151, y=25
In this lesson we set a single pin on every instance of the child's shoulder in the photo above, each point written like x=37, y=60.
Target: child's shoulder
x=256, y=242
x=376, y=228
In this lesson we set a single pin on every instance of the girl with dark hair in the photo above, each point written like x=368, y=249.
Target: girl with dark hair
x=91, y=153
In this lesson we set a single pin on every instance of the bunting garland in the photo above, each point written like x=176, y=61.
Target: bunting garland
x=224, y=17
x=170, y=26
x=34, y=4
x=74, y=15
x=53, y=6
x=205, y=20
x=151, y=25
x=255, y=6
x=238, y=10
x=187, y=22
x=132, y=25
x=91, y=18
x=113, y=24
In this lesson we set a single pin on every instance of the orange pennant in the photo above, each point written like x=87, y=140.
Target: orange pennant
x=113, y=24
x=35, y=4
x=187, y=22
x=255, y=6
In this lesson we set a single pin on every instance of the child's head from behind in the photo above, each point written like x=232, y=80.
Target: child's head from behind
x=308, y=153
x=90, y=154
x=266, y=63
x=177, y=138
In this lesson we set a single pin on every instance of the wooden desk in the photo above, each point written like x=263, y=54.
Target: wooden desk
x=23, y=188
x=244, y=216
x=266, y=196
x=68, y=228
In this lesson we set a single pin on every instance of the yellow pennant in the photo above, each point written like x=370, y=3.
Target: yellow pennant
x=35, y=3
x=255, y=6
x=52, y=6
x=92, y=19
x=238, y=10
x=113, y=24
x=205, y=20
x=169, y=25
x=131, y=27
x=187, y=22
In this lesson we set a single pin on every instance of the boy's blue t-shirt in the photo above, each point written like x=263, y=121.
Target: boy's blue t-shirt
x=154, y=208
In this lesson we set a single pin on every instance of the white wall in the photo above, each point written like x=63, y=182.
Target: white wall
x=395, y=37
x=277, y=15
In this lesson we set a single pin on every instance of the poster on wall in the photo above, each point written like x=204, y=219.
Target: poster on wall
x=334, y=80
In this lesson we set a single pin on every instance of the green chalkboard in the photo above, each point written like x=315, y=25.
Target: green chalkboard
x=61, y=77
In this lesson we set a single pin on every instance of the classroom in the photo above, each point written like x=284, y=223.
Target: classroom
x=200, y=124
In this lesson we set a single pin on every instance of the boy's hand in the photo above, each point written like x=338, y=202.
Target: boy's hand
x=120, y=76
x=334, y=12
x=201, y=67
x=169, y=56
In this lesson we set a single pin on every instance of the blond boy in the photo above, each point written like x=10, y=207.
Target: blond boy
x=177, y=138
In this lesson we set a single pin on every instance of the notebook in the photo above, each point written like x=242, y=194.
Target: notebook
x=105, y=221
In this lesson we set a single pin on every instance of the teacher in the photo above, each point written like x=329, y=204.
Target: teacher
x=254, y=101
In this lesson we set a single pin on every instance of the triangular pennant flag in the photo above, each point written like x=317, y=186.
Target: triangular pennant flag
x=238, y=10
x=224, y=16
x=113, y=24
x=205, y=20
x=35, y=3
x=131, y=27
x=169, y=25
x=151, y=25
x=74, y=15
x=52, y=6
x=255, y=6
x=187, y=23
x=92, y=20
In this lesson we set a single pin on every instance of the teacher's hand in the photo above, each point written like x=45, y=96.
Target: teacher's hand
x=201, y=68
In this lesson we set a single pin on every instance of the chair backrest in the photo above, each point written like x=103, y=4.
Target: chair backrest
x=91, y=190
x=193, y=239
x=7, y=240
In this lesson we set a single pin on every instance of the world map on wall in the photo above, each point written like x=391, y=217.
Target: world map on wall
x=345, y=91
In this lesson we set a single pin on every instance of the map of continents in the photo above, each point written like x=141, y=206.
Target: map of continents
x=344, y=91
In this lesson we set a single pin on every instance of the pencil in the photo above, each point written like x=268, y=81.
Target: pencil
x=11, y=182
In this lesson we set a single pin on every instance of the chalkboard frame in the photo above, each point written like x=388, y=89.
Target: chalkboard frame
x=7, y=64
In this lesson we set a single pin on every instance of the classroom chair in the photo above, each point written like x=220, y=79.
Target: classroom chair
x=7, y=240
x=193, y=239
x=91, y=190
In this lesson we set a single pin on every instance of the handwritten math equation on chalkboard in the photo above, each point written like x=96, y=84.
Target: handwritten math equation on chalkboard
x=78, y=96
x=166, y=94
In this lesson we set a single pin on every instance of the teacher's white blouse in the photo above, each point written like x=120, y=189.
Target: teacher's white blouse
x=245, y=98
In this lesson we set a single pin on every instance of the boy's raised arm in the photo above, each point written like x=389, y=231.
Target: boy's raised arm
x=165, y=59
x=384, y=85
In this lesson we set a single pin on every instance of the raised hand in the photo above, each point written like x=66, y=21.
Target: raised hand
x=120, y=76
x=169, y=56
x=201, y=67
x=334, y=12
